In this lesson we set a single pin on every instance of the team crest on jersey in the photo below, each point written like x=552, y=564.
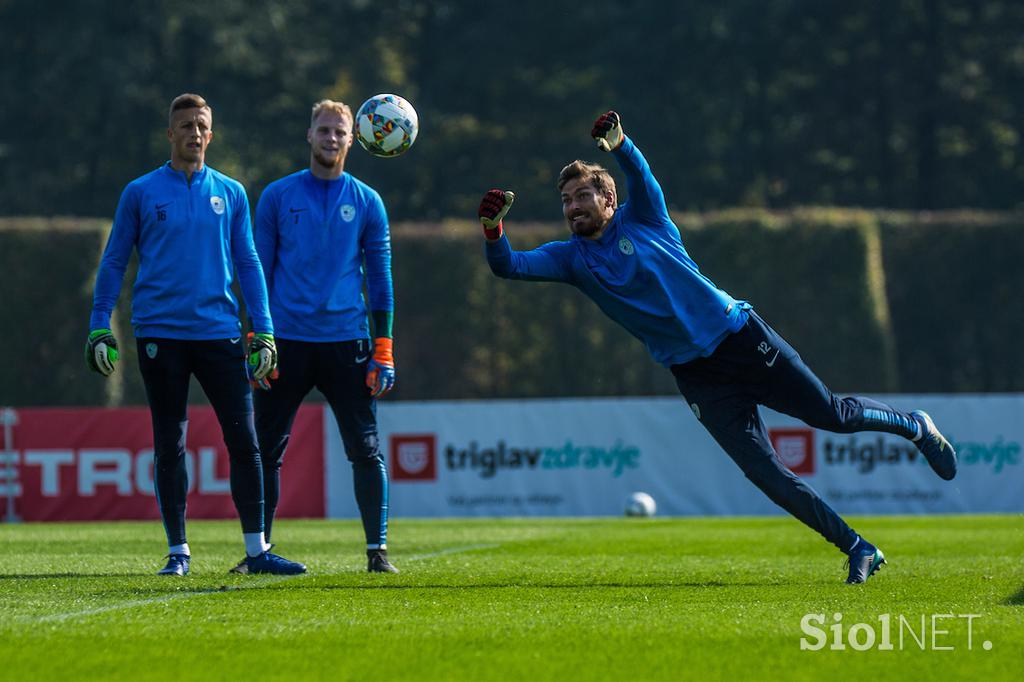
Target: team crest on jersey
x=348, y=212
x=217, y=204
x=151, y=350
x=626, y=246
x=696, y=410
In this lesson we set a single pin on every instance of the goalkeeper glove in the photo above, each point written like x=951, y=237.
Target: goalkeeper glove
x=607, y=131
x=101, y=351
x=261, y=360
x=493, y=208
x=380, y=370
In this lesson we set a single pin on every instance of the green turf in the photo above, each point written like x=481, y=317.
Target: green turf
x=509, y=599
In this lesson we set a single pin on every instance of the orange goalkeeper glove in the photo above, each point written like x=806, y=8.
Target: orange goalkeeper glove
x=380, y=370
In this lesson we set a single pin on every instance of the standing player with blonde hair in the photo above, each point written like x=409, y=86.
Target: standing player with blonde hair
x=726, y=360
x=314, y=231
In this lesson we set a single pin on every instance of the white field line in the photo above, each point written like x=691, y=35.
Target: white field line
x=60, y=617
x=69, y=615
x=449, y=550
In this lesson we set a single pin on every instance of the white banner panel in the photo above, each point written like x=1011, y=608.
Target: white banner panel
x=584, y=457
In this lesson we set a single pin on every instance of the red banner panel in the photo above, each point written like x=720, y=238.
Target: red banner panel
x=97, y=464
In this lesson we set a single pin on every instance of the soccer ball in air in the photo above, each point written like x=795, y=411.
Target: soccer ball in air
x=640, y=504
x=386, y=125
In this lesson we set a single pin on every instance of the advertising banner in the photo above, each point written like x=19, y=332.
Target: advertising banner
x=519, y=458
x=584, y=457
x=874, y=473
x=97, y=464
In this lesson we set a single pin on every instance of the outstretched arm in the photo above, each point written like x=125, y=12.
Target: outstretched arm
x=543, y=264
x=646, y=201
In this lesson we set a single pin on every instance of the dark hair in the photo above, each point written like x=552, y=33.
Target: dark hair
x=591, y=173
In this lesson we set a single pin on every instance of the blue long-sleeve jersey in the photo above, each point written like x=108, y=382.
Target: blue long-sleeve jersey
x=637, y=271
x=312, y=236
x=188, y=234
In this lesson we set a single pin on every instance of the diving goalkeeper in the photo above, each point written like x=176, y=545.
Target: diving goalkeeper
x=630, y=260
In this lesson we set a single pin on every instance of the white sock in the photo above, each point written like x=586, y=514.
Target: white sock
x=179, y=549
x=384, y=547
x=255, y=544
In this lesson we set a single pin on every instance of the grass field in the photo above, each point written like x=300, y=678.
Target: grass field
x=580, y=599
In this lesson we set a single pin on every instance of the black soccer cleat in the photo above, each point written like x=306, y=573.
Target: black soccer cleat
x=177, y=564
x=377, y=561
x=863, y=561
x=934, y=446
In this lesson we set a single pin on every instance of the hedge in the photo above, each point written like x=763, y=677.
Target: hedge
x=875, y=302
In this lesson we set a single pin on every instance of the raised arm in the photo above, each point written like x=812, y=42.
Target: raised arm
x=646, y=201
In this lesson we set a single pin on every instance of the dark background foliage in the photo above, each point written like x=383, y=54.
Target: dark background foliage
x=910, y=104
x=893, y=114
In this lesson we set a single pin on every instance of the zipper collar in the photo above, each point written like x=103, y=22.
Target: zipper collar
x=197, y=176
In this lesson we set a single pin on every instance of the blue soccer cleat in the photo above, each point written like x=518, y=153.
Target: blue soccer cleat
x=269, y=564
x=863, y=561
x=934, y=446
x=177, y=564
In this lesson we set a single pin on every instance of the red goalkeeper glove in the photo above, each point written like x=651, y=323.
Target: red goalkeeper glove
x=493, y=208
x=607, y=131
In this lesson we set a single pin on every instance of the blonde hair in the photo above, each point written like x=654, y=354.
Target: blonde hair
x=188, y=100
x=339, y=108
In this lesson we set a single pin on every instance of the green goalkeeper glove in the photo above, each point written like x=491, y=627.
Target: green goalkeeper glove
x=607, y=131
x=261, y=359
x=101, y=351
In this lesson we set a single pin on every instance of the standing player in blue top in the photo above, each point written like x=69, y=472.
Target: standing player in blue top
x=190, y=225
x=726, y=360
x=314, y=230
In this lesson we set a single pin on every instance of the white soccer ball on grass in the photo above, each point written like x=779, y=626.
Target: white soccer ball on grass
x=640, y=504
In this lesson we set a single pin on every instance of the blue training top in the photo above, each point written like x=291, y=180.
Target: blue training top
x=188, y=235
x=312, y=236
x=637, y=272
